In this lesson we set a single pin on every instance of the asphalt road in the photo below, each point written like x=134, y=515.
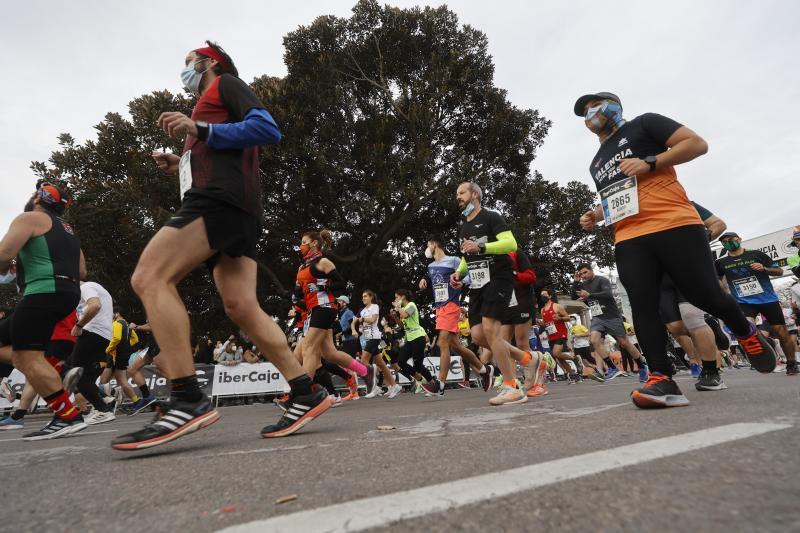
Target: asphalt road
x=743, y=476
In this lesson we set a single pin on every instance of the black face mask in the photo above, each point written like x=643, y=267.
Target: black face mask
x=29, y=206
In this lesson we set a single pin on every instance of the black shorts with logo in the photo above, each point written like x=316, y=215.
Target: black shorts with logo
x=230, y=231
x=522, y=313
x=490, y=301
x=35, y=317
x=772, y=311
x=322, y=317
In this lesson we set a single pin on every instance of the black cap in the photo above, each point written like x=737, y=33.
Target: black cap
x=729, y=234
x=582, y=101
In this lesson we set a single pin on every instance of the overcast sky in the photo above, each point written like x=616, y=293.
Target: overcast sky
x=728, y=70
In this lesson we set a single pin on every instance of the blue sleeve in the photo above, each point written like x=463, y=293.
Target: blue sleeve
x=257, y=128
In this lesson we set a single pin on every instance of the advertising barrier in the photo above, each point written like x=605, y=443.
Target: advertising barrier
x=245, y=378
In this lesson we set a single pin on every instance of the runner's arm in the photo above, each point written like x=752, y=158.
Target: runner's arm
x=604, y=290
x=504, y=244
x=684, y=145
x=134, y=338
x=19, y=232
x=116, y=336
x=93, y=307
x=525, y=273
x=82, y=267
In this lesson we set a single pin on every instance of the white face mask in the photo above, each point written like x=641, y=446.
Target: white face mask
x=191, y=78
x=7, y=278
x=428, y=253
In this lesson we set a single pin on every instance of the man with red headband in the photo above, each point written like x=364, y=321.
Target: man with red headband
x=219, y=223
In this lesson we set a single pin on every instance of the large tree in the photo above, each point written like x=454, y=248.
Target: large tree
x=383, y=114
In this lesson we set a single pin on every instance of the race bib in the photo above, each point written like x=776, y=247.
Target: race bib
x=479, y=274
x=747, y=287
x=620, y=200
x=440, y=293
x=595, y=308
x=550, y=328
x=185, y=172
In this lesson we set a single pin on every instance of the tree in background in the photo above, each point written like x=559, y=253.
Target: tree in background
x=383, y=114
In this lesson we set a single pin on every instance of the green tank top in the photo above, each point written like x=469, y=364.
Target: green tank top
x=50, y=262
x=411, y=323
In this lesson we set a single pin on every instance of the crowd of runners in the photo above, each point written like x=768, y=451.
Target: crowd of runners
x=509, y=336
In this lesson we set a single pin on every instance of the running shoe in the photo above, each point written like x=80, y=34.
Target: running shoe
x=643, y=374
x=99, y=417
x=533, y=370
x=8, y=423
x=696, y=370
x=465, y=384
x=57, y=427
x=487, y=377
x=418, y=389
x=377, y=391
x=5, y=390
x=509, y=396
x=336, y=400
x=596, y=376
x=537, y=390
x=371, y=378
x=611, y=374
x=792, y=369
x=142, y=404
x=710, y=381
x=174, y=419
x=394, y=390
x=759, y=351
x=432, y=386
x=119, y=396
x=351, y=396
x=300, y=410
x=352, y=385
x=71, y=378
x=659, y=391
x=498, y=382
x=280, y=402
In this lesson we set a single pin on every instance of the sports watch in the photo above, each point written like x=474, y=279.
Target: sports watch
x=651, y=160
x=202, y=130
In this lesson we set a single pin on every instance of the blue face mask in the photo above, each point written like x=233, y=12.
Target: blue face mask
x=191, y=78
x=469, y=209
x=603, y=118
x=7, y=278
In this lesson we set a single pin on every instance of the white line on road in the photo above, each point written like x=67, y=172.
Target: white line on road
x=358, y=515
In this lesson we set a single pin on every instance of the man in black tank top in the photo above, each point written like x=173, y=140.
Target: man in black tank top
x=49, y=264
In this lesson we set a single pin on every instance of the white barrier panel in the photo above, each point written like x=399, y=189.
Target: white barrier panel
x=16, y=381
x=258, y=378
x=454, y=373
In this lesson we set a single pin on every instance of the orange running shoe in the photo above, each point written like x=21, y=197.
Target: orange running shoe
x=351, y=396
x=659, y=391
x=759, y=351
x=537, y=390
x=352, y=385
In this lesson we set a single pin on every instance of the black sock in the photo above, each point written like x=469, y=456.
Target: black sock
x=301, y=385
x=323, y=377
x=609, y=363
x=710, y=367
x=186, y=389
x=19, y=414
x=145, y=390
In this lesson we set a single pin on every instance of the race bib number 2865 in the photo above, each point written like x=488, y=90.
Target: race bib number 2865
x=620, y=200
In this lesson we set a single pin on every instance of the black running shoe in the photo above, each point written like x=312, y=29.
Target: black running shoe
x=174, y=419
x=759, y=351
x=142, y=404
x=300, y=410
x=487, y=378
x=710, y=381
x=57, y=427
x=433, y=387
x=659, y=391
x=792, y=368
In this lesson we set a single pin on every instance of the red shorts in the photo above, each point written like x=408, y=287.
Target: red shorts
x=447, y=317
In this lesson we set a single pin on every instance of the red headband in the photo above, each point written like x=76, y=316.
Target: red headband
x=213, y=54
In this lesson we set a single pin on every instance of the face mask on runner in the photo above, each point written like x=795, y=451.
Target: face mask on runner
x=8, y=277
x=191, y=78
x=428, y=253
x=731, y=245
x=469, y=209
x=304, y=249
x=603, y=117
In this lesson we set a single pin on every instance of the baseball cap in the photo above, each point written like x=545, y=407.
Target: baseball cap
x=729, y=234
x=581, y=102
x=795, y=235
x=344, y=299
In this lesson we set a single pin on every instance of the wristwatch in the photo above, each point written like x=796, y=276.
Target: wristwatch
x=202, y=129
x=482, y=247
x=651, y=160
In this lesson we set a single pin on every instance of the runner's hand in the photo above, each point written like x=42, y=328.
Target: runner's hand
x=588, y=220
x=455, y=280
x=423, y=284
x=469, y=247
x=177, y=124
x=758, y=267
x=76, y=331
x=167, y=162
x=633, y=166
x=583, y=295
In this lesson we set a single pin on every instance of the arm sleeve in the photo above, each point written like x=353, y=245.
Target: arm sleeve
x=134, y=338
x=337, y=282
x=411, y=309
x=605, y=289
x=257, y=128
x=116, y=336
x=462, y=267
x=658, y=127
x=504, y=244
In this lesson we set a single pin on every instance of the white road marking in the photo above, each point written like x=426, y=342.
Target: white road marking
x=380, y=511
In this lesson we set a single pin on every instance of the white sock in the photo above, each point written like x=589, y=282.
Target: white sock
x=483, y=369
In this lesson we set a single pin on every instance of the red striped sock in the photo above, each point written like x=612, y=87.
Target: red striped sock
x=61, y=405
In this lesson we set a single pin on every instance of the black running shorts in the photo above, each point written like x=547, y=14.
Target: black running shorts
x=490, y=301
x=59, y=349
x=522, y=313
x=373, y=346
x=586, y=353
x=322, y=317
x=772, y=311
x=230, y=231
x=36, y=316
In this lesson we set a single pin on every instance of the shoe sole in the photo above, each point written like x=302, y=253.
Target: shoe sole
x=699, y=387
x=646, y=401
x=198, y=423
x=11, y=428
x=60, y=433
x=515, y=402
x=142, y=408
x=596, y=378
x=606, y=379
x=300, y=422
x=103, y=421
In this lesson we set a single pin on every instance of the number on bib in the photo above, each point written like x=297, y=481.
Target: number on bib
x=440, y=293
x=620, y=200
x=550, y=328
x=479, y=274
x=748, y=287
x=595, y=308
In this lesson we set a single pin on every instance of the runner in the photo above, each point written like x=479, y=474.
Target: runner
x=747, y=273
x=415, y=339
x=554, y=318
x=486, y=241
x=349, y=343
x=49, y=263
x=582, y=346
x=219, y=223
x=148, y=356
x=656, y=230
x=596, y=292
x=448, y=313
x=369, y=320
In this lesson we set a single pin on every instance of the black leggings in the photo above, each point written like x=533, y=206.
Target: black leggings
x=415, y=350
x=684, y=254
x=627, y=360
x=89, y=349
